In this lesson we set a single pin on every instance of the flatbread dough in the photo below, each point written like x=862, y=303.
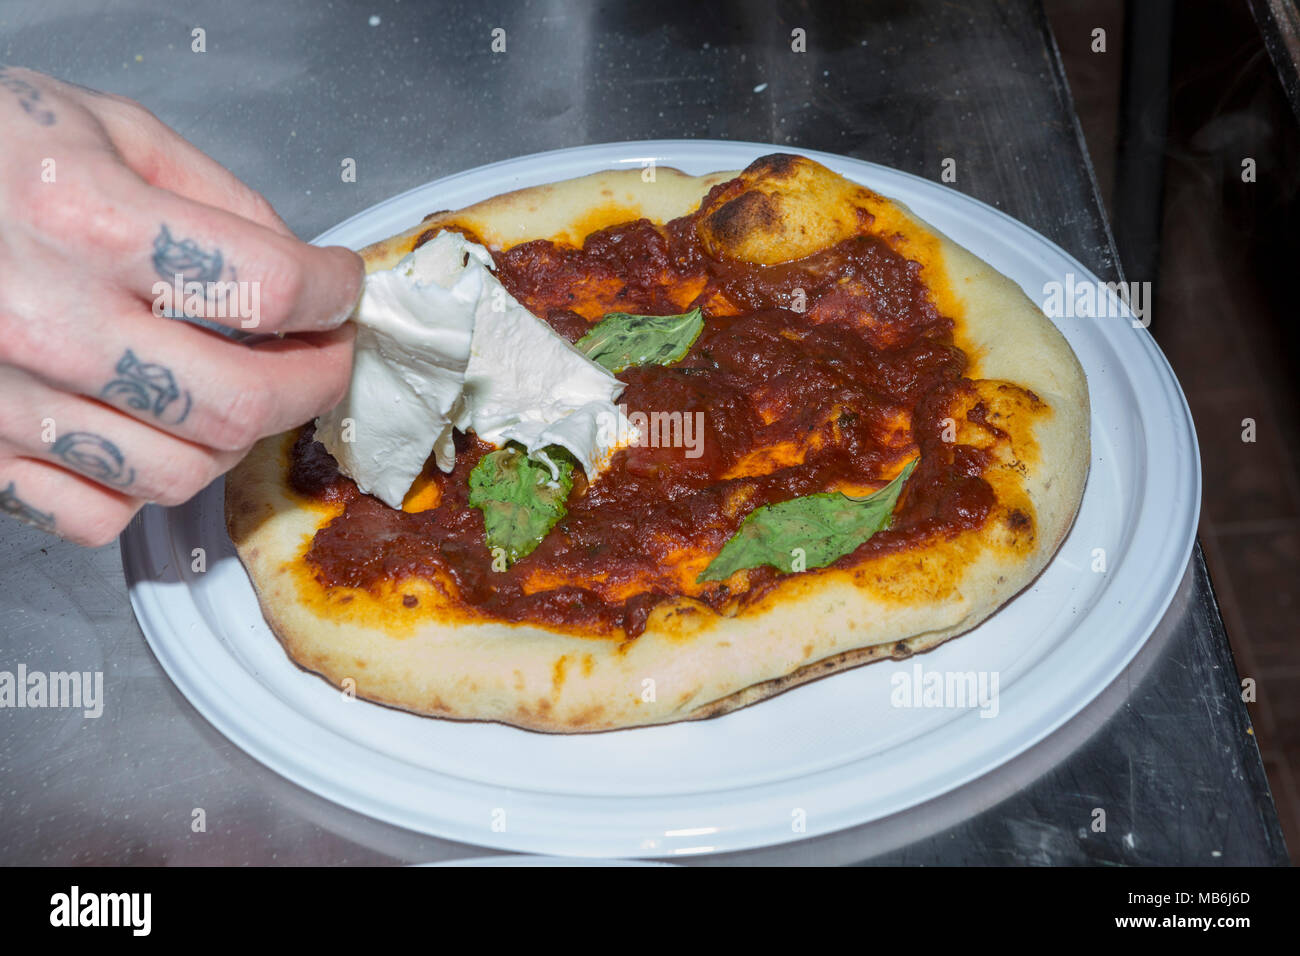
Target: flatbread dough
x=691, y=662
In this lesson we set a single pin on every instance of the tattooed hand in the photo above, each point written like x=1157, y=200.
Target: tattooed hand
x=110, y=226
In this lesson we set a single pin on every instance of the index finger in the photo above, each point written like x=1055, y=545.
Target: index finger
x=207, y=262
x=188, y=257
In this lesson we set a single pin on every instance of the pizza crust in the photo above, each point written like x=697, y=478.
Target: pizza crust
x=690, y=662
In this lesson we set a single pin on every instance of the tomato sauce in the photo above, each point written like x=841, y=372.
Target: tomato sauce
x=820, y=374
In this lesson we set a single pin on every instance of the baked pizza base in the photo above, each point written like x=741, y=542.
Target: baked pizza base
x=691, y=662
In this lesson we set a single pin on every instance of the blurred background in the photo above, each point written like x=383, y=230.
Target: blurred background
x=1184, y=94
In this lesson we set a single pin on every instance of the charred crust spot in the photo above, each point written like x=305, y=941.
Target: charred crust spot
x=1013, y=389
x=747, y=214
x=1017, y=520
x=410, y=600
x=774, y=165
x=436, y=212
x=981, y=415
x=422, y=238
x=901, y=650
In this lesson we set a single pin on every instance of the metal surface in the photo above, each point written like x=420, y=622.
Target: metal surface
x=286, y=92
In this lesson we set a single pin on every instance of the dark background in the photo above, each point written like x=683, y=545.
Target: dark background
x=1225, y=314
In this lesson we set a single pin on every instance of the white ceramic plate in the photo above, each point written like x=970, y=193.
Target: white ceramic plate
x=819, y=758
x=543, y=861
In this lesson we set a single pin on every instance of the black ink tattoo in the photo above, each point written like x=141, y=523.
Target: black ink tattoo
x=15, y=507
x=185, y=259
x=148, y=387
x=95, y=457
x=29, y=97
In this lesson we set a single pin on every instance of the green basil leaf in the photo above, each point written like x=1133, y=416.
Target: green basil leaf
x=825, y=526
x=621, y=340
x=520, y=498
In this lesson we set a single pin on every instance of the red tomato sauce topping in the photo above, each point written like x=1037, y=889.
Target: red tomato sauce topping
x=825, y=373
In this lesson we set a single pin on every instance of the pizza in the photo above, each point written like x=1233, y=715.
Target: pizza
x=845, y=438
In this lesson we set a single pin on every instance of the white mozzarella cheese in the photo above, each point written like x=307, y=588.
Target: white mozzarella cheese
x=441, y=343
x=414, y=323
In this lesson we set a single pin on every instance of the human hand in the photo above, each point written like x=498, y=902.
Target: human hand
x=105, y=403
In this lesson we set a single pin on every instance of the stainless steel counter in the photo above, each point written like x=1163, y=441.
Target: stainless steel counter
x=411, y=92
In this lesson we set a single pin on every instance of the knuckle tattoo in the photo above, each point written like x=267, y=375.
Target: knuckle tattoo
x=174, y=256
x=30, y=98
x=95, y=457
x=147, y=387
x=15, y=507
